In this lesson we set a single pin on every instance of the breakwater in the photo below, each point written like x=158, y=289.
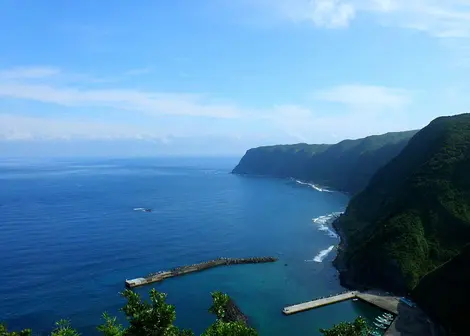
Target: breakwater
x=182, y=270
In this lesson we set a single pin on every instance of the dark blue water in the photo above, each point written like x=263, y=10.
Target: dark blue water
x=70, y=237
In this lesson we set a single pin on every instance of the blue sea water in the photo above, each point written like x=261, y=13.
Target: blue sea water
x=70, y=236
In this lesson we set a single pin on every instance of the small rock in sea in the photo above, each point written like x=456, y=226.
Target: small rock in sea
x=285, y=264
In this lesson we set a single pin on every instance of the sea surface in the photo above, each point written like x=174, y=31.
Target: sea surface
x=72, y=233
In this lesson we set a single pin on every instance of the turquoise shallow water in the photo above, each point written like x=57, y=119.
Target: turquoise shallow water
x=71, y=236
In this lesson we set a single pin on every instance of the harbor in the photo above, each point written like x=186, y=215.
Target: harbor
x=385, y=302
x=395, y=315
x=318, y=303
x=182, y=270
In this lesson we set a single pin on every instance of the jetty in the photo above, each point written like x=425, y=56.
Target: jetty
x=319, y=303
x=182, y=270
x=388, y=303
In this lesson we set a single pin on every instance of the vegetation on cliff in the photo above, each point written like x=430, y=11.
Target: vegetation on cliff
x=415, y=213
x=157, y=318
x=346, y=166
x=444, y=293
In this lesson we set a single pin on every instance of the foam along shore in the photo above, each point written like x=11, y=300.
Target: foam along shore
x=314, y=186
x=182, y=270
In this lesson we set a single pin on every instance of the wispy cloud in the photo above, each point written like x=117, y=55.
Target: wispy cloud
x=309, y=125
x=450, y=18
x=28, y=73
x=357, y=110
x=17, y=84
x=138, y=71
x=365, y=96
x=14, y=127
x=323, y=13
x=153, y=103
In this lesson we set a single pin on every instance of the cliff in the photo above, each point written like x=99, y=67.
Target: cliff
x=415, y=213
x=444, y=293
x=346, y=166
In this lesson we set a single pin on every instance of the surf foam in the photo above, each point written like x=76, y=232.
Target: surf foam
x=317, y=188
x=324, y=223
x=322, y=255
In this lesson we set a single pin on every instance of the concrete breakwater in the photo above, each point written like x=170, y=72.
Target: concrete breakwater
x=182, y=270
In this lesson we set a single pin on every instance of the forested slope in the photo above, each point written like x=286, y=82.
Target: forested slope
x=415, y=213
x=346, y=166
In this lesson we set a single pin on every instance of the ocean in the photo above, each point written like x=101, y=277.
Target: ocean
x=72, y=232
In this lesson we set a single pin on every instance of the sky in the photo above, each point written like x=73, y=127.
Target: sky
x=216, y=77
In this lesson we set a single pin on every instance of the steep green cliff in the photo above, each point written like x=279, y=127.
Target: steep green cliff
x=444, y=293
x=346, y=166
x=415, y=213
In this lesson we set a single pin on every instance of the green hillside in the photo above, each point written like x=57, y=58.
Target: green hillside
x=415, y=213
x=444, y=293
x=346, y=166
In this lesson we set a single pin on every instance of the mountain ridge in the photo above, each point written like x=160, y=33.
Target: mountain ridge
x=408, y=231
x=410, y=197
x=407, y=227
x=346, y=166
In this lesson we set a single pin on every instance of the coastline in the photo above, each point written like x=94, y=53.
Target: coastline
x=339, y=262
x=345, y=274
x=291, y=178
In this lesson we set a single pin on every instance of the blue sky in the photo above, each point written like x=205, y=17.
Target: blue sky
x=217, y=77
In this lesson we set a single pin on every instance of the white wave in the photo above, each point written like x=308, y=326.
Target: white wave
x=317, y=188
x=139, y=209
x=322, y=255
x=324, y=223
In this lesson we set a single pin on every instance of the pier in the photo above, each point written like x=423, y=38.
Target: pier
x=178, y=271
x=386, y=302
x=319, y=303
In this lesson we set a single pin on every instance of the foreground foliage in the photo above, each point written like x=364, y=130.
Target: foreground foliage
x=153, y=318
x=357, y=328
x=156, y=318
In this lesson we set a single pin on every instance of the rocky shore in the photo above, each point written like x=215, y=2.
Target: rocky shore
x=346, y=276
x=234, y=314
x=353, y=279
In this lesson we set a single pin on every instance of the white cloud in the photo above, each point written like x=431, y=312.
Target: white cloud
x=138, y=71
x=147, y=102
x=349, y=112
x=28, y=73
x=324, y=13
x=357, y=110
x=365, y=96
x=359, y=115
x=439, y=18
x=14, y=127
